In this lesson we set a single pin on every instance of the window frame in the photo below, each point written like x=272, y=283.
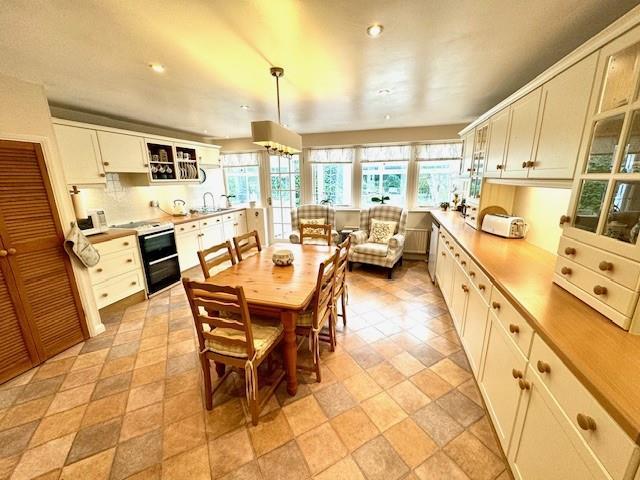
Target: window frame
x=349, y=158
x=418, y=161
x=257, y=164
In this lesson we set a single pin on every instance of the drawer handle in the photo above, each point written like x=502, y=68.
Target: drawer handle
x=205, y=223
x=499, y=166
x=513, y=328
x=472, y=274
x=465, y=289
x=105, y=294
x=605, y=266
x=126, y=244
x=457, y=255
x=495, y=305
x=516, y=374
x=443, y=254
x=586, y=422
x=129, y=260
x=565, y=271
x=570, y=251
x=564, y=219
x=481, y=287
x=193, y=226
x=463, y=263
x=543, y=367
x=600, y=290
x=524, y=385
x=134, y=283
x=182, y=229
x=524, y=164
x=99, y=270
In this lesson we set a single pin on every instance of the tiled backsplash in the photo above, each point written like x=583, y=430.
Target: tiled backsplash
x=125, y=198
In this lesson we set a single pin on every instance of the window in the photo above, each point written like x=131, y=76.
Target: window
x=438, y=169
x=285, y=192
x=331, y=171
x=384, y=174
x=242, y=176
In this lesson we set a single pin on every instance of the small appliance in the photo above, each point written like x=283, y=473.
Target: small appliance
x=179, y=208
x=94, y=223
x=504, y=225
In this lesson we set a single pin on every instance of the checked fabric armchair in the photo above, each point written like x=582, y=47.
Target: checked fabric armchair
x=384, y=255
x=310, y=212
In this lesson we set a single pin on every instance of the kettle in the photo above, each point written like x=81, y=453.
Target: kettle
x=179, y=208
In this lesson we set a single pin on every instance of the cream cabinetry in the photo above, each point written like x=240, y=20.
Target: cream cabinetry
x=522, y=133
x=122, y=153
x=475, y=327
x=209, y=156
x=565, y=100
x=459, y=296
x=467, y=153
x=497, y=143
x=80, y=154
x=119, y=273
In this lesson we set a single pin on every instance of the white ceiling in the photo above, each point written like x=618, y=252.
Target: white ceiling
x=445, y=61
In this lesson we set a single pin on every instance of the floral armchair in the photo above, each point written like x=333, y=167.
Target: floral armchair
x=307, y=212
x=384, y=255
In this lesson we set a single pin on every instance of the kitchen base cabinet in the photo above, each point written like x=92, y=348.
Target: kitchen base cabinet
x=475, y=326
x=188, y=244
x=546, y=446
x=459, y=296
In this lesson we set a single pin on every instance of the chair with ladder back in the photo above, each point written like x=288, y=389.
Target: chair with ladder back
x=211, y=258
x=247, y=245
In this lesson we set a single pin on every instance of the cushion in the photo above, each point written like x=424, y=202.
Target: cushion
x=375, y=249
x=313, y=221
x=381, y=231
x=264, y=335
x=305, y=319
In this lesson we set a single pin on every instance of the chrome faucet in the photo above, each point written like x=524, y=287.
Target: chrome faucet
x=204, y=201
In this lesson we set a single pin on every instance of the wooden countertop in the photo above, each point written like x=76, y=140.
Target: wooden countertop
x=110, y=234
x=604, y=357
x=192, y=217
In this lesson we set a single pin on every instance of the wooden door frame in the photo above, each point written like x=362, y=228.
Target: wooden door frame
x=64, y=210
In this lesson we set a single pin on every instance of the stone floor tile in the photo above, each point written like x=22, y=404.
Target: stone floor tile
x=284, y=463
x=366, y=356
x=408, y=396
x=141, y=421
x=148, y=374
x=249, y=471
x=94, y=439
x=385, y=375
x=361, y=386
x=463, y=410
x=440, y=467
x=87, y=360
x=334, y=399
x=114, y=384
x=437, y=423
x=425, y=354
x=304, y=414
x=58, y=425
x=182, y=405
x=229, y=452
x=183, y=435
x=460, y=359
x=477, y=461
x=192, y=465
x=343, y=366
x=406, y=364
x=105, y=409
x=383, y=411
x=26, y=412
x=78, y=378
x=379, y=461
x=224, y=418
x=9, y=395
x=53, y=369
x=43, y=458
x=137, y=454
x=431, y=384
x=185, y=381
x=14, y=440
x=145, y=395
x=96, y=467
x=411, y=442
x=321, y=447
x=354, y=428
x=450, y=372
x=271, y=432
x=345, y=469
x=42, y=388
x=484, y=431
x=117, y=366
x=470, y=389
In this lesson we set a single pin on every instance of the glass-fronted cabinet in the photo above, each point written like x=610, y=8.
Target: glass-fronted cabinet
x=476, y=169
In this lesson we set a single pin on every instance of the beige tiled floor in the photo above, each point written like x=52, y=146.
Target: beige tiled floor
x=396, y=401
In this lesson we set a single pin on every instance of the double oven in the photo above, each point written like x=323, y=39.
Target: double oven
x=160, y=259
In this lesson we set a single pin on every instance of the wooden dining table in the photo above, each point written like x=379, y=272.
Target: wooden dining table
x=279, y=292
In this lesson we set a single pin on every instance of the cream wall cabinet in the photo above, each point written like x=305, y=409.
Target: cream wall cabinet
x=122, y=153
x=497, y=143
x=80, y=154
x=522, y=133
x=565, y=100
x=467, y=152
x=209, y=156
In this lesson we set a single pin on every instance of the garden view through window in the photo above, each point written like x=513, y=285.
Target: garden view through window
x=242, y=176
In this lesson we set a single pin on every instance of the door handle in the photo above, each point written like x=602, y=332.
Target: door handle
x=3, y=253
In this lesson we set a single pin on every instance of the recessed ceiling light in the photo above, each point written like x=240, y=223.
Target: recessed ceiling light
x=387, y=117
x=384, y=91
x=244, y=107
x=374, y=30
x=206, y=131
x=157, y=67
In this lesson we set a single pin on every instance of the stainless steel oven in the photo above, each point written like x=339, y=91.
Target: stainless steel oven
x=160, y=259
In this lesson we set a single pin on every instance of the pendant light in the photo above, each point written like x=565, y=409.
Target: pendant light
x=277, y=139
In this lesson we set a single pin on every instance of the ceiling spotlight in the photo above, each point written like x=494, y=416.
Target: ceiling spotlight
x=387, y=117
x=157, y=67
x=206, y=131
x=375, y=30
x=384, y=91
x=244, y=107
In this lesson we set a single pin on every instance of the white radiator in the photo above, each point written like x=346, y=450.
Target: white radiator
x=416, y=240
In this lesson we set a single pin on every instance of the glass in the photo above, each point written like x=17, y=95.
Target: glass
x=631, y=160
x=285, y=192
x=624, y=212
x=590, y=204
x=436, y=181
x=243, y=182
x=380, y=179
x=331, y=182
x=604, y=144
x=618, y=83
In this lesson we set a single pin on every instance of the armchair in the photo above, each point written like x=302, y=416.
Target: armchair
x=309, y=212
x=384, y=255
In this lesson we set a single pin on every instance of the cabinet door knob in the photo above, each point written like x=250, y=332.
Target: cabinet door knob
x=586, y=422
x=530, y=163
x=11, y=251
x=465, y=289
x=463, y=263
x=564, y=219
x=133, y=283
x=472, y=274
x=513, y=328
x=193, y=226
x=99, y=270
x=523, y=384
x=3, y=253
x=565, y=271
x=543, y=367
x=182, y=229
x=570, y=251
x=481, y=287
x=495, y=305
x=451, y=248
x=605, y=266
x=524, y=164
x=443, y=254
x=106, y=164
x=499, y=166
x=126, y=244
x=457, y=255
x=516, y=373
x=129, y=260
x=600, y=290
x=105, y=294
x=446, y=242
x=103, y=174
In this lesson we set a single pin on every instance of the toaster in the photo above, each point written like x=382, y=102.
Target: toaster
x=504, y=225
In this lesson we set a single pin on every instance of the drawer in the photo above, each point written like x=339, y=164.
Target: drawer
x=114, y=264
x=612, y=294
x=520, y=331
x=117, y=244
x=481, y=281
x=228, y=217
x=609, y=442
x=209, y=222
x=461, y=257
x=187, y=227
x=615, y=268
x=118, y=288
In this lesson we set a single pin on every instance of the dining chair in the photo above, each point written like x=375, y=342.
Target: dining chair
x=229, y=337
x=316, y=234
x=246, y=243
x=211, y=257
x=341, y=288
x=320, y=314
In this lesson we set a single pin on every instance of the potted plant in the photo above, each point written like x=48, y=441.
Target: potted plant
x=444, y=206
x=380, y=200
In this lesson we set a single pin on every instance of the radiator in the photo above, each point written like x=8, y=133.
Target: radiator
x=416, y=240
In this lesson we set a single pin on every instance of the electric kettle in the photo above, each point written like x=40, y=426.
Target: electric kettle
x=179, y=208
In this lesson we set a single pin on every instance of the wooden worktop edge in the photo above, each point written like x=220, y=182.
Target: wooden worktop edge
x=110, y=234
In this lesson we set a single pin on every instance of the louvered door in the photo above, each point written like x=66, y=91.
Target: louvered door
x=31, y=233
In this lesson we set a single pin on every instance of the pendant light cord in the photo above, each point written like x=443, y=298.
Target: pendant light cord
x=278, y=97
